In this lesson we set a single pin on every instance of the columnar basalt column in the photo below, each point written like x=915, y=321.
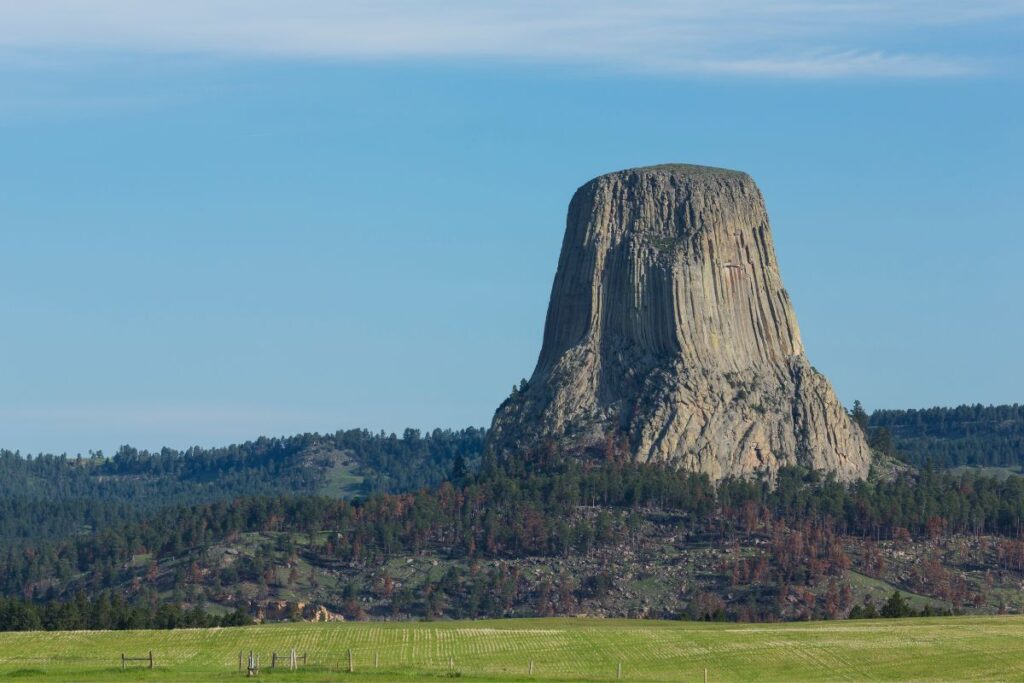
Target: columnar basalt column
x=669, y=332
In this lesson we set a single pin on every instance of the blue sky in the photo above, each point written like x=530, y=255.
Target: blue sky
x=221, y=220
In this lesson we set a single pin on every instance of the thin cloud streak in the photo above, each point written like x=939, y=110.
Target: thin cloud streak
x=727, y=38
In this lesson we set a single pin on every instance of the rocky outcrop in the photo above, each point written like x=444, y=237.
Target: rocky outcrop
x=669, y=332
x=283, y=610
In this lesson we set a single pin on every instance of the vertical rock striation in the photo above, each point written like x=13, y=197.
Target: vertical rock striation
x=670, y=332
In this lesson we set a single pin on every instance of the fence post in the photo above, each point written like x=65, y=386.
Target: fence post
x=122, y=661
x=531, y=667
x=451, y=663
x=376, y=660
x=150, y=659
x=294, y=661
x=350, y=669
x=618, y=670
x=705, y=674
x=239, y=661
x=273, y=660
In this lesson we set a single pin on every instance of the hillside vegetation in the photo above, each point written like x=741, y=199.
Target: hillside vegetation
x=978, y=436
x=56, y=496
x=549, y=534
x=366, y=526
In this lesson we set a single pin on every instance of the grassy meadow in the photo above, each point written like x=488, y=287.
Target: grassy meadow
x=940, y=649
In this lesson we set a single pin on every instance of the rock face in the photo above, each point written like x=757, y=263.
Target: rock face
x=669, y=334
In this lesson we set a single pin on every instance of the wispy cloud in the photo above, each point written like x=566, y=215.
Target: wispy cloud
x=792, y=39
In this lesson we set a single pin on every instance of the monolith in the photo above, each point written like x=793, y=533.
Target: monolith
x=670, y=337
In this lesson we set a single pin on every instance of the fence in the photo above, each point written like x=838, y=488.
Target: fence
x=293, y=660
x=346, y=661
x=125, y=660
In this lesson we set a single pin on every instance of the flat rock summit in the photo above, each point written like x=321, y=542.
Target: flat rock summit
x=669, y=334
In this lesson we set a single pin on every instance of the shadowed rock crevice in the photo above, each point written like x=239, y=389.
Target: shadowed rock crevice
x=669, y=330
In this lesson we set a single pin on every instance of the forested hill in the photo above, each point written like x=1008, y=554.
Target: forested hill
x=438, y=528
x=987, y=436
x=49, y=496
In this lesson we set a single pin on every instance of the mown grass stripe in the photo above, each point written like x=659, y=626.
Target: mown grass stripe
x=976, y=648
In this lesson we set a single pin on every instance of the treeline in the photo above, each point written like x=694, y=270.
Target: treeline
x=56, y=496
x=390, y=462
x=155, y=479
x=108, y=611
x=523, y=507
x=394, y=464
x=976, y=435
x=896, y=607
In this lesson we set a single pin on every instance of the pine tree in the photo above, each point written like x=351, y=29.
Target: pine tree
x=860, y=416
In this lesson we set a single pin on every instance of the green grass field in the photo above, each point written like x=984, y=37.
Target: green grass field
x=941, y=649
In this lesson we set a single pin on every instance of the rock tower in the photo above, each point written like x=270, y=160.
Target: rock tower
x=669, y=334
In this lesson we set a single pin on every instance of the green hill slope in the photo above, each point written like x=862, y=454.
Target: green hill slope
x=978, y=436
x=50, y=497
